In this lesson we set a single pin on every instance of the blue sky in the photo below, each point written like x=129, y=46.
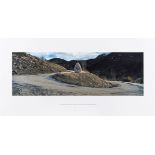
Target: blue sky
x=66, y=55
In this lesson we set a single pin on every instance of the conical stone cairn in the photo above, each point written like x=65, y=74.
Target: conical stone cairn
x=77, y=68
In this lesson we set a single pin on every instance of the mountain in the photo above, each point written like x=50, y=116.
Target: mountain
x=23, y=63
x=69, y=64
x=127, y=66
x=124, y=66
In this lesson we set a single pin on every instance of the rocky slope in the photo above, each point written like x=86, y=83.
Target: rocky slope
x=84, y=79
x=123, y=66
x=23, y=63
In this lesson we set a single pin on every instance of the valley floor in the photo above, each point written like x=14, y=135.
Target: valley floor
x=42, y=85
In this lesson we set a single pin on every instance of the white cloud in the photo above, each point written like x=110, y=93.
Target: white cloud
x=66, y=55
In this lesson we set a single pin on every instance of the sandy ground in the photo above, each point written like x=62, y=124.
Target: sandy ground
x=41, y=84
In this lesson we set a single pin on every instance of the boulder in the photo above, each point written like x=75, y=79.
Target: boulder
x=77, y=68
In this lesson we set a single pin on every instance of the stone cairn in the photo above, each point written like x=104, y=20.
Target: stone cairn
x=77, y=68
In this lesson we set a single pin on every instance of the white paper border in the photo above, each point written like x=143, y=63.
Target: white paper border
x=52, y=105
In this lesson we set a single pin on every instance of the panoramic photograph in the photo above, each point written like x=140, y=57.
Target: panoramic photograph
x=77, y=74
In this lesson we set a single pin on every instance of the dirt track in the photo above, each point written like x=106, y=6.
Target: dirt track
x=41, y=84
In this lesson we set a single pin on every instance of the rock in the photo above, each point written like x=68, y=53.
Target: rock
x=77, y=68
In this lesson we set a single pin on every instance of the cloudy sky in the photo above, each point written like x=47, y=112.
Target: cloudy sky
x=66, y=55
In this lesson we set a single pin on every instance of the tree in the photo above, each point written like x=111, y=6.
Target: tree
x=42, y=58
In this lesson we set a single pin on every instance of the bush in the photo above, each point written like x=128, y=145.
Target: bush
x=139, y=80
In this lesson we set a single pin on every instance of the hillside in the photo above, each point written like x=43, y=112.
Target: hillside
x=118, y=66
x=23, y=63
x=123, y=66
